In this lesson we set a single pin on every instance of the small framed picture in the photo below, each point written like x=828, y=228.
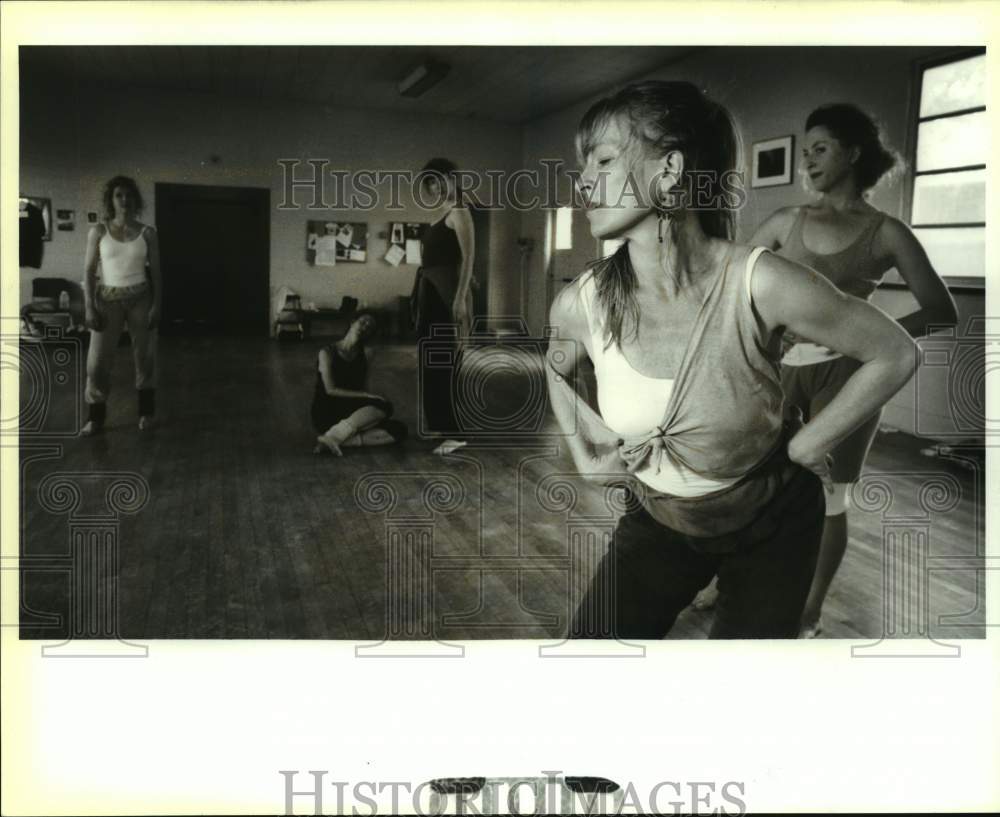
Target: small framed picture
x=65, y=220
x=91, y=217
x=772, y=162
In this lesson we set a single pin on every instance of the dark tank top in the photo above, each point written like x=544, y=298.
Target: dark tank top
x=347, y=374
x=854, y=269
x=441, y=258
x=440, y=246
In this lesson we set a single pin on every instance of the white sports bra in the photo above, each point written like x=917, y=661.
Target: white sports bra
x=631, y=402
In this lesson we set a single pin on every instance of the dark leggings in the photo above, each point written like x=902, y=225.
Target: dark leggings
x=653, y=572
x=438, y=360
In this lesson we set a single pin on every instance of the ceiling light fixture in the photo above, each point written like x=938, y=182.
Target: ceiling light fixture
x=422, y=78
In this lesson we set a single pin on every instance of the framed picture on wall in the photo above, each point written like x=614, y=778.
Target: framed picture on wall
x=43, y=206
x=772, y=162
x=329, y=243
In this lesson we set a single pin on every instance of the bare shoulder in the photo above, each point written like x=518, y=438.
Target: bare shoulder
x=893, y=233
x=784, y=217
x=97, y=230
x=774, y=230
x=459, y=216
x=147, y=230
x=772, y=274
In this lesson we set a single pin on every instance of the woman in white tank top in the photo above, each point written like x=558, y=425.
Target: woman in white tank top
x=121, y=289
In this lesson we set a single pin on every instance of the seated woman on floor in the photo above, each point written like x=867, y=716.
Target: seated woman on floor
x=344, y=413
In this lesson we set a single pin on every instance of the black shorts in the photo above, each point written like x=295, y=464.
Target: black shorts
x=811, y=388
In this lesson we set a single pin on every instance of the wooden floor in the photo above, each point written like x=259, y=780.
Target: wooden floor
x=246, y=534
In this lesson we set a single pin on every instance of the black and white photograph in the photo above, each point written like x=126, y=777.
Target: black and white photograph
x=65, y=220
x=603, y=350
x=685, y=449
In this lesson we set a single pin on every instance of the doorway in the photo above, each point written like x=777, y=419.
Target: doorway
x=215, y=256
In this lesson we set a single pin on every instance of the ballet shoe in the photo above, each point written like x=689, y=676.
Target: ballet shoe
x=706, y=598
x=146, y=422
x=331, y=445
x=91, y=429
x=354, y=441
x=449, y=446
x=813, y=629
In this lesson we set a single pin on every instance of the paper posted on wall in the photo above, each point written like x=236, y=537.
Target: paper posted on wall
x=395, y=255
x=326, y=251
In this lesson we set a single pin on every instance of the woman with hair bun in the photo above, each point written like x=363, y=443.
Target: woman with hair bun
x=684, y=328
x=852, y=244
x=442, y=296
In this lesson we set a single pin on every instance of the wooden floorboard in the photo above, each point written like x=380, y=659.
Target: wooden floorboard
x=247, y=534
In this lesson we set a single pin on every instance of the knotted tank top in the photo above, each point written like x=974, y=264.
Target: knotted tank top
x=720, y=417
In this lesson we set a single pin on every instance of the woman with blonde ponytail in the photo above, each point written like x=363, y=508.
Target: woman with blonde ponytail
x=684, y=329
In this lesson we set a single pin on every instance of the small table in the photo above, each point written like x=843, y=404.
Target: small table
x=385, y=321
x=341, y=320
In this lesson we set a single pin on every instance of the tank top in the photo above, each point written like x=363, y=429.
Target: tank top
x=347, y=374
x=440, y=246
x=123, y=263
x=721, y=416
x=440, y=257
x=854, y=270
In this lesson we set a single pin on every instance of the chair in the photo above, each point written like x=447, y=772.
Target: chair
x=45, y=308
x=289, y=320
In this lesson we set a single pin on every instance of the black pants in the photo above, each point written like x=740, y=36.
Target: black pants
x=438, y=353
x=651, y=573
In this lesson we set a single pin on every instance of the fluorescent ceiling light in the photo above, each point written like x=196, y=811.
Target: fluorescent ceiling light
x=422, y=78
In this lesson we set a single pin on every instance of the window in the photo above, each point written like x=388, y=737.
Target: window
x=948, y=208
x=564, y=228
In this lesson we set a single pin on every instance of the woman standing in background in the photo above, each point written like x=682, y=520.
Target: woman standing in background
x=852, y=244
x=127, y=252
x=443, y=298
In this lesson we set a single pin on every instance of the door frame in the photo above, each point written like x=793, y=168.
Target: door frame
x=166, y=193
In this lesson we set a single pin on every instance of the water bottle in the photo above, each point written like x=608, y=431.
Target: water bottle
x=64, y=300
